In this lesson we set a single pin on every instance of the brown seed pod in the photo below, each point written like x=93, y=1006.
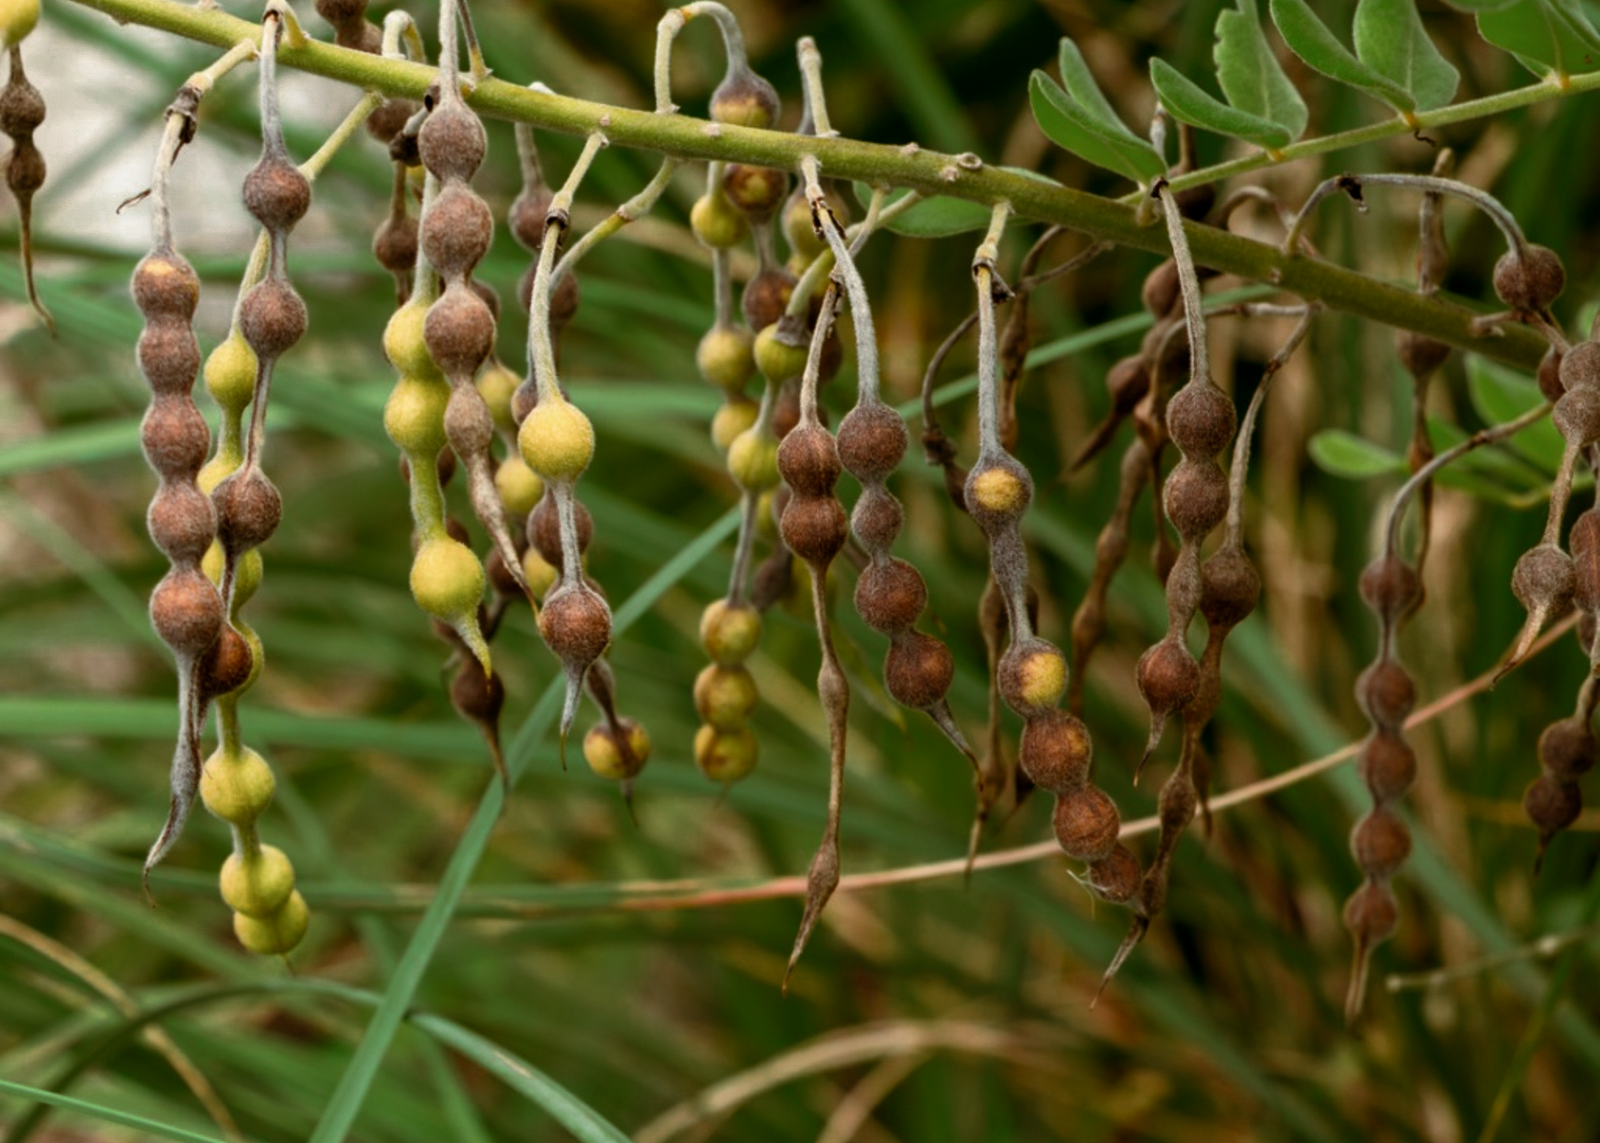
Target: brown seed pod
x=1386, y=694
x=1230, y=588
x=1422, y=356
x=563, y=297
x=272, y=317
x=459, y=332
x=395, y=245
x=169, y=356
x=1567, y=749
x=478, y=696
x=1127, y=382
x=1390, y=587
x=877, y=519
x=1579, y=367
x=1529, y=283
x=1168, y=677
x=527, y=215
x=1544, y=579
x=576, y=624
x=186, y=611
x=544, y=529
x=918, y=670
x=175, y=437
x=890, y=595
x=1116, y=876
x=756, y=191
x=181, y=522
x=248, y=510
x=1201, y=421
x=1380, y=843
x=457, y=230
x=872, y=442
x=276, y=193
x=1584, y=540
x=1550, y=375
x=165, y=285
x=1552, y=805
x=22, y=107
x=814, y=528
x=1577, y=416
x=1195, y=498
x=1056, y=751
x=1371, y=914
x=1388, y=765
x=1086, y=824
x=808, y=461
x=226, y=666
x=25, y=169
x=765, y=297
x=389, y=119
x=1160, y=292
x=1032, y=676
x=452, y=142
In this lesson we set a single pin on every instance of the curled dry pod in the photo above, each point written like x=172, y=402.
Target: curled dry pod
x=615, y=760
x=1386, y=694
x=452, y=142
x=1529, y=283
x=1567, y=749
x=872, y=442
x=1032, y=676
x=1056, y=752
x=272, y=317
x=1086, y=823
x=276, y=193
x=918, y=670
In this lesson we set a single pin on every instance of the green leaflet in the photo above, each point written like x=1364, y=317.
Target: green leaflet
x=1479, y=5
x=1074, y=129
x=1249, y=73
x=933, y=218
x=1309, y=38
x=1553, y=33
x=1391, y=40
x=1341, y=453
x=1190, y=104
x=1500, y=395
x=1086, y=93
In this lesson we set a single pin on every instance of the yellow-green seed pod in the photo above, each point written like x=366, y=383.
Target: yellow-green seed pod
x=495, y=385
x=600, y=751
x=725, y=755
x=736, y=415
x=753, y=461
x=17, y=19
x=1041, y=678
x=518, y=485
x=230, y=373
x=447, y=580
x=213, y=562
x=730, y=632
x=797, y=265
x=540, y=573
x=716, y=222
x=237, y=787
x=218, y=469
x=247, y=579
x=404, y=345
x=726, y=358
x=725, y=697
x=257, y=885
x=797, y=229
x=277, y=933
x=414, y=415
x=777, y=360
x=556, y=440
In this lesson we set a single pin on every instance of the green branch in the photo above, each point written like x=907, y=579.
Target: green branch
x=928, y=172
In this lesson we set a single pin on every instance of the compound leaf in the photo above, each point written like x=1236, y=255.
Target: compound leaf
x=1249, y=73
x=1544, y=39
x=1188, y=103
x=1391, y=40
x=1075, y=130
x=1309, y=38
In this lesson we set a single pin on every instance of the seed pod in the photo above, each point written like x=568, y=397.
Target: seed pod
x=1529, y=283
x=1422, y=356
x=725, y=358
x=165, y=285
x=716, y=223
x=872, y=441
x=1386, y=694
x=1371, y=914
x=276, y=934
x=186, y=611
x=1056, y=752
x=1115, y=877
x=756, y=192
x=557, y=440
x=576, y=625
x=1380, y=843
x=1388, y=765
x=725, y=697
x=1550, y=375
x=918, y=670
x=459, y=330
x=1195, y=498
x=890, y=595
x=1032, y=676
x=1567, y=749
x=272, y=317
x=1230, y=588
x=1577, y=416
x=814, y=528
x=1390, y=587
x=808, y=461
x=745, y=100
x=1201, y=421
x=735, y=417
x=1086, y=824
x=447, y=580
x=238, y=787
x=730, y=632
x=725, y=755
x=607, y=756
x=1552, y=805
x=248, y=510
x=876, y=519
x=998, y=491
x=1544, y=579
x=276, y=193
x=456, y=230
x=765, y=297
x=780, y=352
x=228, y=664
x=169, y=356
x=452, y=142
x=174, y=437
x=257, y=884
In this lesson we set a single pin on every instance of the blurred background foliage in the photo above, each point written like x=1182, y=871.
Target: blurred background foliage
x=933, y=1012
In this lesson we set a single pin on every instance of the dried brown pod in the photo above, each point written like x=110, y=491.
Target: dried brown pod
x=1529, y=282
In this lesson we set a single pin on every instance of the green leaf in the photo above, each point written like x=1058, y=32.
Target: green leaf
x=1309, y=38
x=1344, y=454
x=1391, y=40
x=1249, y=72
x=1479, y=5
x=1542, y=38
x=1190, y=104
x=1499, y=395
x=934, y=217
x=1087, y=95
x=1073, y=129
